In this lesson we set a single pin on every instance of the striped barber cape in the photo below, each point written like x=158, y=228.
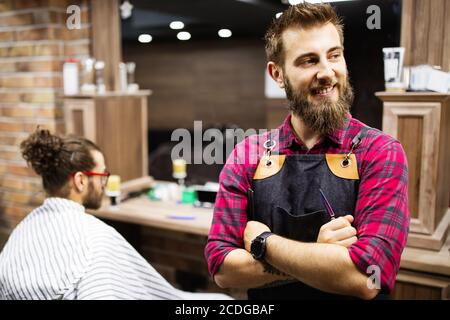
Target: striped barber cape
x=60, y=252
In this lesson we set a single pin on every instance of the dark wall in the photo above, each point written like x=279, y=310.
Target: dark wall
x=222, y=81
x=214, y=81
x=363, y=52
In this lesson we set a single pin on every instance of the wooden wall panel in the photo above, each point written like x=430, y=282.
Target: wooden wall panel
x=203, y=80
x=425, y=30
x=422, y=17
x=106, y=39
x=78, y=124
x=421, y=123
x=443, y=183
x=118, y=126
x=446, y=32
x=406, y=29
x=410, y=132
x=436, y=34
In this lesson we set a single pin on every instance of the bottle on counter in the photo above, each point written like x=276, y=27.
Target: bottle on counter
x=113, y=189
x=123, y=77
x=71, y=76
x=132, y=86
x=88, y=76
x=99, y=76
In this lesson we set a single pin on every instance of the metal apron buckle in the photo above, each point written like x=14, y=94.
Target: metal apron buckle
x=268, y=145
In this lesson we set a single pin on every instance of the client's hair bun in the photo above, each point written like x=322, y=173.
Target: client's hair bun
x=41, y=149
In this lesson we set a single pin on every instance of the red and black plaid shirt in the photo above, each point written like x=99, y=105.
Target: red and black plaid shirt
x=381, y=213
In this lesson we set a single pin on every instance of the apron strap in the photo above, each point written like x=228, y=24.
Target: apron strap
x=269, y=145
x=358, y=138
x=355, y=143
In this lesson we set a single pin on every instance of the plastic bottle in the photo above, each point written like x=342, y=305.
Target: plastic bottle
x=70, y=76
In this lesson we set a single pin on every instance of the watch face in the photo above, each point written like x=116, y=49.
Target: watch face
x=256, y=248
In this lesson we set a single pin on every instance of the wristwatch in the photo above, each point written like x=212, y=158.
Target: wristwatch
x=258, y=245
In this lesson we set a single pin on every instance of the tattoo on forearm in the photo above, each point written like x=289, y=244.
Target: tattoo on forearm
x=272, y=270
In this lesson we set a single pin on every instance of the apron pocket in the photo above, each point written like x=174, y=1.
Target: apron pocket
x=301, y=227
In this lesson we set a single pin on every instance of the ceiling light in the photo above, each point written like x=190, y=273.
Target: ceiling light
x=176, y=25
x=224, y=33
x=183, y=35
x=145, y=38
x=294, y=2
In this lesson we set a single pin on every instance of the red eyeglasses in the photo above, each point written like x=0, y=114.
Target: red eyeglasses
x=104, y=175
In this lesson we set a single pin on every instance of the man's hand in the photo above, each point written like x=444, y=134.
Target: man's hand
x=338, y=231
x=252, y=230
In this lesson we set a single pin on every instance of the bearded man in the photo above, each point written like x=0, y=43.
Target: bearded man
x=322, y=213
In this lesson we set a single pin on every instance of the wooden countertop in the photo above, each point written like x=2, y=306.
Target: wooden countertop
x=427, y=260
x=164, y=215
x=412, y=96
x=171, y=216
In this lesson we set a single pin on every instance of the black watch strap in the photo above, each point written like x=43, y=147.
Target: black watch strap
x=258, y=246
x=265, y=235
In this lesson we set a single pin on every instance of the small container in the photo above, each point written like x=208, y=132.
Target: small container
x=88, y=76
x=123, y=77
x=113, y=189
x=393, y=69
x=131, y=67
x=71, y=77
x=189, y=196
x=99, y=76
x=179, y=169
x=131, y=85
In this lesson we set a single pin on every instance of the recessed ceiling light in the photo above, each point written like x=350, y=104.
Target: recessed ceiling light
x=278, y=15
x=224, y=33
x=176, y=25
x=145, y=38
x=183, y=35
x=294, y=2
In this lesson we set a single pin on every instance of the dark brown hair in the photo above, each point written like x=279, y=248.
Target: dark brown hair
x=304, y=15
x=55, y=158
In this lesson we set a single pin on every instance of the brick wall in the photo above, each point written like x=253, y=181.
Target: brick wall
x=34, y=42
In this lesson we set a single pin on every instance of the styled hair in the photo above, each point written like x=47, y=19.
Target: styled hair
x=304, y=15
x=55, y=158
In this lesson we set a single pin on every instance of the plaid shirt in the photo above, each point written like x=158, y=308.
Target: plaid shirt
x=381, y=212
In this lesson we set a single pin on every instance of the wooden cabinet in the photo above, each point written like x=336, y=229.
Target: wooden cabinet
x=419, y=286
x=117, y=123
x=421, y=122
x=424, y=274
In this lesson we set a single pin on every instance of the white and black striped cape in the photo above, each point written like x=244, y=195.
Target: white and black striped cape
x=60, y=252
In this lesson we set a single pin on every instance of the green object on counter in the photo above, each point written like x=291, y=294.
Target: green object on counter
x=189, y=196
x=151, y=194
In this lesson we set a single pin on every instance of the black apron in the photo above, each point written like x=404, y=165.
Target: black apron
x=286, y=197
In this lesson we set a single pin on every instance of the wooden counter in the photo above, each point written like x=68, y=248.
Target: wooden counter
x=117, y=123
x=171, y=236
x=427, y=260
x=158, y=214
x=421, y=122
x=179, y=244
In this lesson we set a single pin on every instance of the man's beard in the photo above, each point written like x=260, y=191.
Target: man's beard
x=93, y=199
x=323, y=117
